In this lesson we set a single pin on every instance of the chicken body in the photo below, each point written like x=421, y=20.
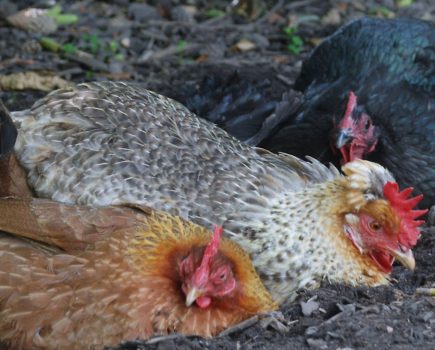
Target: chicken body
x=114, y=143
x=82, y=278
x=388, y=64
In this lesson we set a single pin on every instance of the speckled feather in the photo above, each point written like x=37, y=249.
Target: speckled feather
x=113, y=143
x=107, y=274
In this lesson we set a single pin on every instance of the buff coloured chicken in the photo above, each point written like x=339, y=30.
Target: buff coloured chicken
x=75, y=277
x=113, y=143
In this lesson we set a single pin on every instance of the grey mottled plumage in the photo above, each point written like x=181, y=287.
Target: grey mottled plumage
x=113, y=143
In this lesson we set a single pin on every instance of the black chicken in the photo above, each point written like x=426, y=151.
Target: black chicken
x=389, y=65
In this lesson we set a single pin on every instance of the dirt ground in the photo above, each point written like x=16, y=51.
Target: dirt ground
x=170, y=46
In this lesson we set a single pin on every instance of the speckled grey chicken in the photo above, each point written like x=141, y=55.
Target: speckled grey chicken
x=114, y=143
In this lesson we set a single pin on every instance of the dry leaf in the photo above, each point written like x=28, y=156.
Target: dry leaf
x=315, y=41
x=33, y=20
x=32, y=81
x=333, y=17
x=280, y=59
x=244, y=45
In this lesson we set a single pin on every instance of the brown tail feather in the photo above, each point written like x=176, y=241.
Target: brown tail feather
x=13, y=181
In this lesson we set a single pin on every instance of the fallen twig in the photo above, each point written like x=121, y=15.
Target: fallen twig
x=166, y=52
x=87, y=59
x=426, y=291
x=266, y=16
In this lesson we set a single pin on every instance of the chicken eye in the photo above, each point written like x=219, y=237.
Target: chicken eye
x=223, y=276
x=375, y=226
x=367, y=125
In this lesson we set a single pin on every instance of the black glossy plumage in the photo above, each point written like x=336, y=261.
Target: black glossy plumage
x=237, y=105
x=390, y=65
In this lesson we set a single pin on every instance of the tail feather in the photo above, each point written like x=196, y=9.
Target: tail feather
x=8, y=131
x=234, y=104
x=240, y=107
x=13, y=181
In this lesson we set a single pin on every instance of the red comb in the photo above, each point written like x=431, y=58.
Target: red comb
x=201, y=274
x=403, y=207
x=213, y=246
x=346, y=121
x=351, y=103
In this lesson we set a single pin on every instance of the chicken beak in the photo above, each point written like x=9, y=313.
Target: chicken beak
x=343, y=138
x=405, y=258
x=192, y=295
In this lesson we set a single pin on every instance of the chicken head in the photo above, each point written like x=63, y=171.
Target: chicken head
x=387, y=229
x=206, y=273
x=356, y=135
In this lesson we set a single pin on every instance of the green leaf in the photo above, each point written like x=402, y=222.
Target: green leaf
x=61, y=18
x=294, y=49
x=89, y=75
x=69, y=48
x=181, y=46
x=50, y=44
x=119, y=57
x=113, y=46
x=54, y=11
x=66, y=19
x=94, y=42
x=289, y=30
x=404, y=3
x=212, y=13
x=295, y=42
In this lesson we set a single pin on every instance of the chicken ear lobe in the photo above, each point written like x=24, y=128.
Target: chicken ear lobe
x=70, y=227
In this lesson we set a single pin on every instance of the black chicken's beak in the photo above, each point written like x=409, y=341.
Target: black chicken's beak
x=343, y=138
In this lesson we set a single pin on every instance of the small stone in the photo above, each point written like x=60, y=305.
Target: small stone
x=125, y=42
x=311, y=330
x=390, y=329
x=317, y=343
x=182, y=14
x=309, y=307
x=142, y=12
x=335, y=335
x=431, y=217
x=427, y=316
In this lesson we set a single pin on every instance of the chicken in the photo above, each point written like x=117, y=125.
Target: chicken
x=8, y=133
x=390, y=66
x=75, y=277
x=113, y=143
x=387, y=66
x=13, y=180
